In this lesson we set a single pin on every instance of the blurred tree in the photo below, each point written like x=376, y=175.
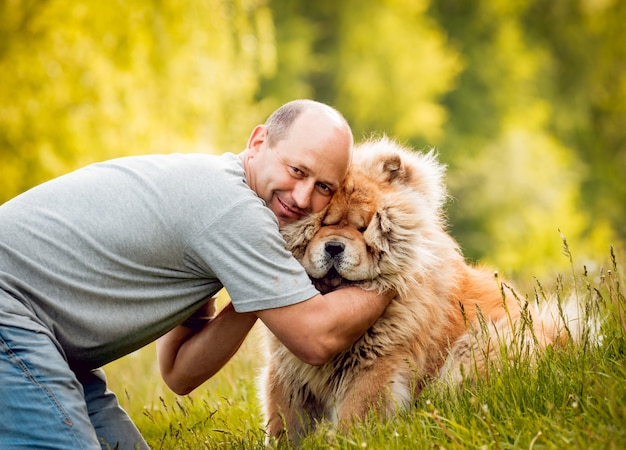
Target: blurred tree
x=295, y=57
x=87, y=80
x=384, y=64
x=524, y=100
x=515, y=185
x=587, y=83
x=393, y=67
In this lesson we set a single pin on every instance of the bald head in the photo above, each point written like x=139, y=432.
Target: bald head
x=281, y=120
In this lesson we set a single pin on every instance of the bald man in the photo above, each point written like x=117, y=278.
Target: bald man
x=99, y=262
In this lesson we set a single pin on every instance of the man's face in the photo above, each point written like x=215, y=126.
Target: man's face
x=299, y=174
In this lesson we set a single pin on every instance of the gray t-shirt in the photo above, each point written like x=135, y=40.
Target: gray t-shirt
x=109, y=257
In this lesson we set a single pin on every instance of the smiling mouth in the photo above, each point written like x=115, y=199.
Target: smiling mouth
x=288, y=209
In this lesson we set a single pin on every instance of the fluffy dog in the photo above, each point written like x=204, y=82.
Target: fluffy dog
x=386, y=230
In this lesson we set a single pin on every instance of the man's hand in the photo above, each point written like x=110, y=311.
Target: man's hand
x=190, y=356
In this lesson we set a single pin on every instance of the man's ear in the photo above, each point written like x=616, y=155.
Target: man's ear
x=256, y=139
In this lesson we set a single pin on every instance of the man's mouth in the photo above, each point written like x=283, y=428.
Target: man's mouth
x=288, y=210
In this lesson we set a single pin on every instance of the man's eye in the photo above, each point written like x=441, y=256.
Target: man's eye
x=324, y=189
x=295, y=171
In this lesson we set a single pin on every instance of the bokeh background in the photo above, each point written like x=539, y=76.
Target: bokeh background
x=525, y=100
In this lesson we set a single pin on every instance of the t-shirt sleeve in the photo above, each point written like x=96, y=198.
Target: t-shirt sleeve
x=245, y=251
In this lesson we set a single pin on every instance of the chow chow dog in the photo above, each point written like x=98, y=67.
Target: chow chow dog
x=385, y=229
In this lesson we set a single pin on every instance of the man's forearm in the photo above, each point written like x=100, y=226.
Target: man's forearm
x=187, y=358
x=317, y=329
x=359, y=310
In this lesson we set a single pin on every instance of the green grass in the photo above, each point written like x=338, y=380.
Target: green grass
x=571, y=397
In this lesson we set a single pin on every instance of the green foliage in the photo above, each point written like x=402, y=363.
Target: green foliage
x=86, y=81
x=514, y=180
x=586, y=81
x=392, y=83
x=571, y=396
x=525, y=101
x=382, y=64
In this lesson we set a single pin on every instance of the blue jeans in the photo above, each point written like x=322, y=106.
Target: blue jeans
x=45, y=405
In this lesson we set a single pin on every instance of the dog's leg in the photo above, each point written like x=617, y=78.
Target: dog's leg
x=381, y=388
x=291, y=410
x=280, y=410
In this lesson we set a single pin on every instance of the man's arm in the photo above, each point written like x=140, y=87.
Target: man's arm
x=188, y=357
x=317, y=329
x=314, y=330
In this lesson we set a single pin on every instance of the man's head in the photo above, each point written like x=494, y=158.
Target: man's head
x=298, y=158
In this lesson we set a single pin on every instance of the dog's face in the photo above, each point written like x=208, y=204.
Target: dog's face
x=375, y=227
x=341, y=251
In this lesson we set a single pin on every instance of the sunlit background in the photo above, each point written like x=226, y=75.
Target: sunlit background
x=525, y=101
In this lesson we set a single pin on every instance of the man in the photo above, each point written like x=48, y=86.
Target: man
x=99, y=262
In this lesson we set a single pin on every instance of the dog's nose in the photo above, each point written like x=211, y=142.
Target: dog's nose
x=334, y=249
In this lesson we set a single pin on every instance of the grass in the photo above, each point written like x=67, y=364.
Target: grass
x=571, y=397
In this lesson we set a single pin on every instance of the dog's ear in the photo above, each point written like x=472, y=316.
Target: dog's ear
x=378, y=235
x=421, y=172
x=387, y=162
x=395, y=170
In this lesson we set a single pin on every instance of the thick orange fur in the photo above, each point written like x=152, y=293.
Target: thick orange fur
x=385, y=229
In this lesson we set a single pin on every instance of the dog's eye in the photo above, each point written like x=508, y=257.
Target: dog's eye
x=362, y=229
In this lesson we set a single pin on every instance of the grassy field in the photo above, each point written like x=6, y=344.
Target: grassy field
x=572, y=397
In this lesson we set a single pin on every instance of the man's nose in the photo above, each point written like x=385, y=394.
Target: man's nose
x=302, y=194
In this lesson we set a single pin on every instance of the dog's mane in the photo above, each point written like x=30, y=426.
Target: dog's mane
x=411, y=216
